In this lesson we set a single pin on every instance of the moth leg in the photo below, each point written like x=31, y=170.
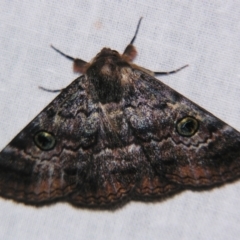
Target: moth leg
x=79, y=65
x=130, y=51
x=171, y=72
x=50, y=90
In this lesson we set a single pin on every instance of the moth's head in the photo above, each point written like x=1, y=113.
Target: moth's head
x=108, y=54
x=108, y=62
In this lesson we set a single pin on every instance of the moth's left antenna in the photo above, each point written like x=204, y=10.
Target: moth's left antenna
x=136, y=32
x=130, y=51
x=79, y=65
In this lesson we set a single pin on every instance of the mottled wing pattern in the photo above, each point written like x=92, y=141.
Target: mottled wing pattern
x=209, y=157
x=95, y=161
x=120, y=168
x=33, y=175
x=101, y=153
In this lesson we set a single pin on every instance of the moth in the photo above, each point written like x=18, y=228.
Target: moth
x=116, y=134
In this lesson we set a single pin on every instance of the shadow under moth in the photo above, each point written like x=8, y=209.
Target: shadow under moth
x=116, y=134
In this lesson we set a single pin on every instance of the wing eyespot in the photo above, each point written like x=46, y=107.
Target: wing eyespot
x=187, y=126
x=44, y=140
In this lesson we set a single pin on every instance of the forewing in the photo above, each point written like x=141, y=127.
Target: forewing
x=184, y=144
x=39, y=164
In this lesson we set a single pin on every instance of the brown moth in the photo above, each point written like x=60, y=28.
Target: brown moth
x=114, y=134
